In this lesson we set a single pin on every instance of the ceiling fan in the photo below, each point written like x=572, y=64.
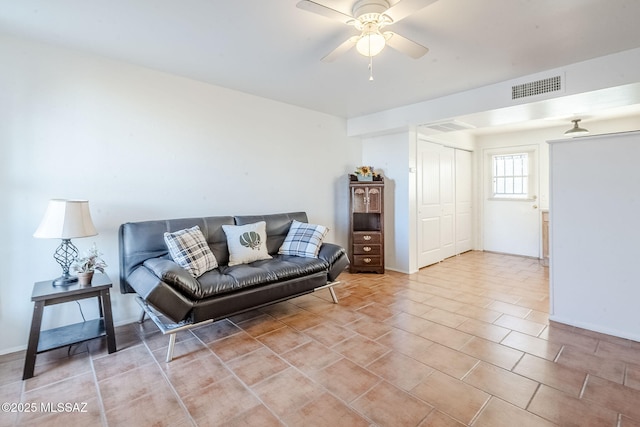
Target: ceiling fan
x=369, y=17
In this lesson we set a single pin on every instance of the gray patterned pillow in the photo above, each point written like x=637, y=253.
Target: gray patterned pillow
x=303, y=240
x=189, y=249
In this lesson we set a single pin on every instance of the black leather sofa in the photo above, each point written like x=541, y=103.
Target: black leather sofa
x=174, y=300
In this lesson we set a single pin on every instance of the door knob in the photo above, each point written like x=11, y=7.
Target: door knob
x=535, y=206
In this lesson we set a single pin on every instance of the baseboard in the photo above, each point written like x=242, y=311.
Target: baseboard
x=398, y=271
x=12, y=349
x=596, y=328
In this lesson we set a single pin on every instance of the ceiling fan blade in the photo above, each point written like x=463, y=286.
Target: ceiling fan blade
x=404, y=45
x=343, y=48
x=404, y=8
x=325, y=11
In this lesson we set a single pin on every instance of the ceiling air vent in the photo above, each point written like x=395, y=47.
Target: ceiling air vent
x=551, y=84
x=448, y=126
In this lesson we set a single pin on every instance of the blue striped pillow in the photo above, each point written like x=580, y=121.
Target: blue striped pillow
x=303, y=240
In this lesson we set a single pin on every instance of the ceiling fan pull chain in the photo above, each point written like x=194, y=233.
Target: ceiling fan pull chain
x=371, y=68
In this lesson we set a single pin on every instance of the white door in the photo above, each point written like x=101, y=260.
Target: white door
x=511, y=216
x=436, y=215
x=448, y=202
x=463, y=201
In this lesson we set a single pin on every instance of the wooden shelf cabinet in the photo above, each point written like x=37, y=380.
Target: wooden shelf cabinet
x=366, y=229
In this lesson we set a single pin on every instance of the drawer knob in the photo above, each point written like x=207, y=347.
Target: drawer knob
x=367, y=260
x=366, y=237
x=367, y=249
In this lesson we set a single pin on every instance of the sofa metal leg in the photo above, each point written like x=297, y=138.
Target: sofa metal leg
x=172, y=343
x=330, y=286
x=170, y=329
x=333, y=295
x=142, y=315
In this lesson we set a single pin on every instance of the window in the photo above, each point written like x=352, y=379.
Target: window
x=511, y=176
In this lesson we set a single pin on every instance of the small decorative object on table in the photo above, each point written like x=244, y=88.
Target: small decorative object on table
x=88, y=264
x=365, y=173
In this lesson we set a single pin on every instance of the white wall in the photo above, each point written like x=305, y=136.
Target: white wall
x=393, y=155
x=140, y=144
x=594, y=233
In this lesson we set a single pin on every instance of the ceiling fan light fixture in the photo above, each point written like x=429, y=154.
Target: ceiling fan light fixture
x=369, y=18
x=371, y=43
x=576, y=130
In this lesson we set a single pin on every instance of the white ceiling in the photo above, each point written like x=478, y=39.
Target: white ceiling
x=272, y=49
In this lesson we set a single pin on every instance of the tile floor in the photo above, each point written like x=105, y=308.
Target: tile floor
x=463, y=342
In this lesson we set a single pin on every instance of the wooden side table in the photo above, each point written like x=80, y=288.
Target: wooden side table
x=44, y=294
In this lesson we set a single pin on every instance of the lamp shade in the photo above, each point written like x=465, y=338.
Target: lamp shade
x=66, y=219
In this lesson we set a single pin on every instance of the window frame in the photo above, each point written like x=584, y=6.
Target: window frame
x=531, y=175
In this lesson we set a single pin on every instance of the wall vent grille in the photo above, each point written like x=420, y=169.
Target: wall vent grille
x=551, y=84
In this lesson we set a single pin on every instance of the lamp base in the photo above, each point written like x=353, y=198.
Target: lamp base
x=64, y=255
x=65, y=280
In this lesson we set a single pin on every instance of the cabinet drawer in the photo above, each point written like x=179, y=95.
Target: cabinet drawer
x=366, y=260
x=373, y=237
x=367, y=249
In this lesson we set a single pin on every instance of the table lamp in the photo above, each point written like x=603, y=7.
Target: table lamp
x=66, y=220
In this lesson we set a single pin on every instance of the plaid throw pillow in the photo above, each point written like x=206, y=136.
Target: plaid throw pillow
x=190, y=250
x=303, y=240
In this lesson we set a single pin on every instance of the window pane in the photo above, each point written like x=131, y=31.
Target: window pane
x=517, y=186
x=517, y=167
x=508, y=167
x=508, y=185
x=499, y=167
